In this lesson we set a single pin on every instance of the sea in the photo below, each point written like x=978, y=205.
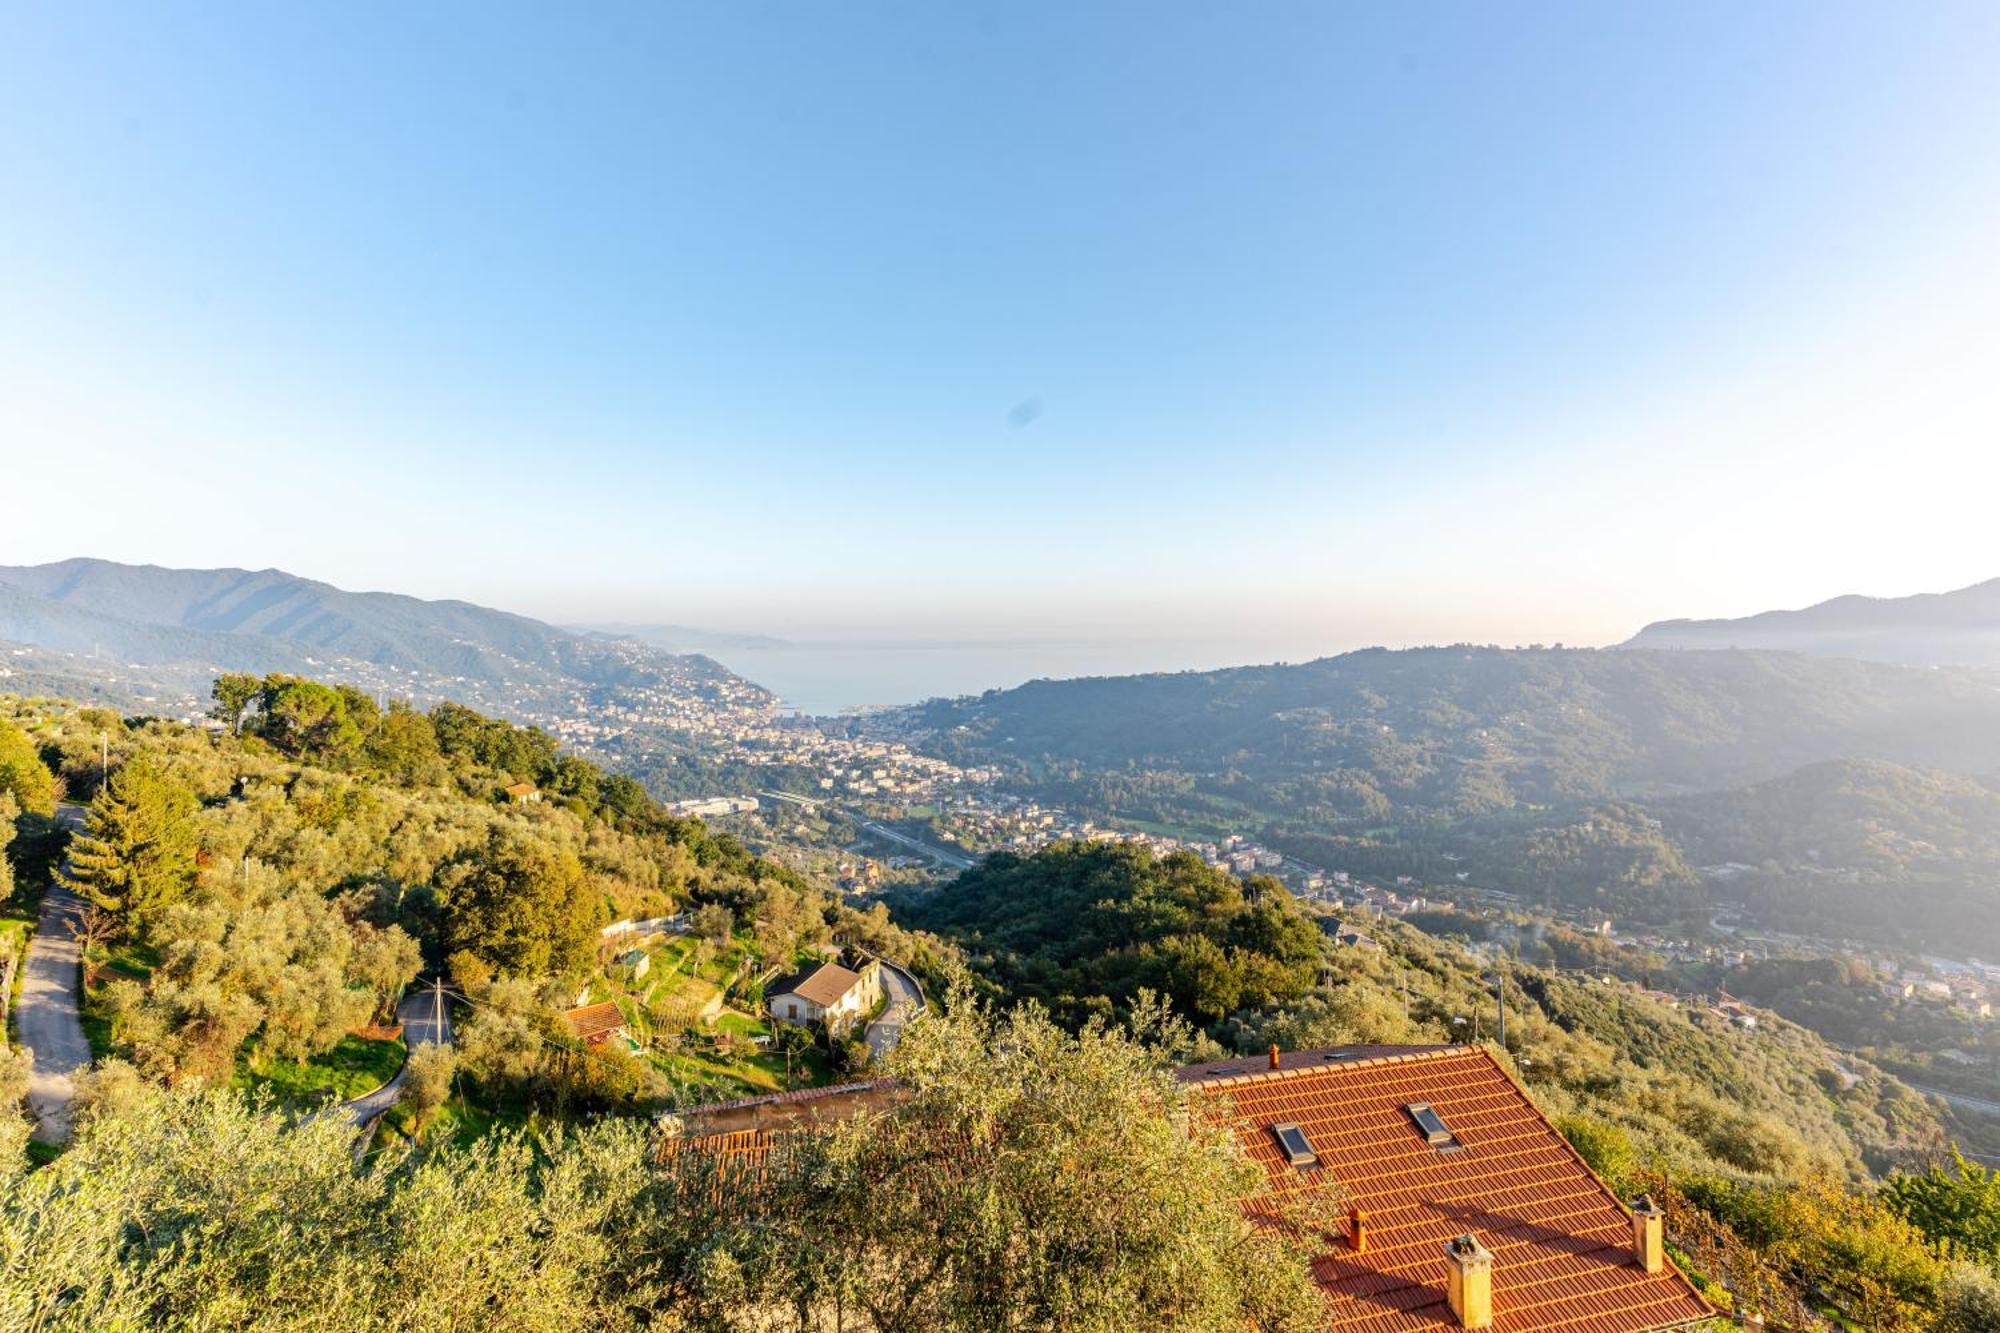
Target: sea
x=827, y=678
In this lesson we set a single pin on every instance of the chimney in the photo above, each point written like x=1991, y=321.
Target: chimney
x=1649, y=1225
x=1469, y=1281
x=1357, y=1231
x=1274, y=1055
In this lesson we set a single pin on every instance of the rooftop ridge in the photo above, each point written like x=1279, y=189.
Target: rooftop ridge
x=1329, y=1066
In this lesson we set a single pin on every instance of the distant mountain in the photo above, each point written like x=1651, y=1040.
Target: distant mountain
x=1929, y=629
x=270, y=619
x=685, y=638
x=1376, y=735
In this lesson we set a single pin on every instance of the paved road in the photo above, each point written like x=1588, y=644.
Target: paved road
x=905, y=1003
x=50, y=1016
x=1980, y=1104
x=426, y=1019
x=955, y=860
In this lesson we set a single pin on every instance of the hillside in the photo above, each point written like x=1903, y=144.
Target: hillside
x=1859, y=847
x=269, y=620
x=1380, y=735
x=1930, y=629
x=1081, y=928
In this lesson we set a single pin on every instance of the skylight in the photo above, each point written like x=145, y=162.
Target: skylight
x=1435, y=1131
x=1293, y=1143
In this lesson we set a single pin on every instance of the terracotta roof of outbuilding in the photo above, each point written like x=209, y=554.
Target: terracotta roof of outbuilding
x=823, y=985
x=595, y=1020
x=1562, y=1241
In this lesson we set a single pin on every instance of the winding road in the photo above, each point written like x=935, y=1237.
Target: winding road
x=50, y=1016
x=426, y=1018
x=906, y=1002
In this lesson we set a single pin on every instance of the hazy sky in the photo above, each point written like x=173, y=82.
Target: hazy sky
x=1349, y=324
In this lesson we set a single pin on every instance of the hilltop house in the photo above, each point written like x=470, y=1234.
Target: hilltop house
x=828, y=993
x=524, y=793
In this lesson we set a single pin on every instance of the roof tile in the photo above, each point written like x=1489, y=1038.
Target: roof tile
x=1561, y=1240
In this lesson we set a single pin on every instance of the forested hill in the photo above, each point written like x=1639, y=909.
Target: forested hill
x=1952, y=628
x=1860, y=847
x=1468, y=730
x=1859, y=814
x=269, y=620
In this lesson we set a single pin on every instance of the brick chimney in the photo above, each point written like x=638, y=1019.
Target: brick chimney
x=1357, y=1231
x=1649, y=1227
x=1469, y=1281
x=1274, y=1055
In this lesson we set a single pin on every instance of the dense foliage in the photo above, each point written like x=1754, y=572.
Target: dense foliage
x=1859, y=847
x=1084, y=928
x=1771, y=1141
x=1031, y=1180
x=270, y=888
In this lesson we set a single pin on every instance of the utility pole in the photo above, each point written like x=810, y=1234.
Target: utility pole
x=1500, y=999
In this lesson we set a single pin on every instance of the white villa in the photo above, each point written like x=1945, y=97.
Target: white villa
x=827, y=992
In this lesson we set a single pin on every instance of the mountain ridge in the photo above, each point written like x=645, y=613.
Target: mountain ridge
x=271, y=619
x=1956, y=628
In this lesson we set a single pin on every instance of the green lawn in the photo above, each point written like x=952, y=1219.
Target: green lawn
x=740, y=1024
x=358, y=1065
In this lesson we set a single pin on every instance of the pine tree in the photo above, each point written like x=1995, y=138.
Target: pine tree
x=136, y=853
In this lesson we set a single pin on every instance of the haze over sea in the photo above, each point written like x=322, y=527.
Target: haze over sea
x=824, y=677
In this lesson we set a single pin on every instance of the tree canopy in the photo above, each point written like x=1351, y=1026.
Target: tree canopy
x=136, y=854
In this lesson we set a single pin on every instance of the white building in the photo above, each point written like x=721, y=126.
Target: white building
x=828, y=993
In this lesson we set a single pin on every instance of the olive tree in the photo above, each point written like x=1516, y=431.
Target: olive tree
x=1025, y=1179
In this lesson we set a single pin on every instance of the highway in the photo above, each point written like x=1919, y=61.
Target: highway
x=956, y=860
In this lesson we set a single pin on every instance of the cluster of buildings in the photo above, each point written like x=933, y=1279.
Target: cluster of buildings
x=985, y=820
x=1967, y=988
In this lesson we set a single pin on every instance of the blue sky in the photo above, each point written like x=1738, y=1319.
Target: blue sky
x=1314, y=322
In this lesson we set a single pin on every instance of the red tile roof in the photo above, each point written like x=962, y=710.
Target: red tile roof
x=1562, y=1242
x=594, y=1022
x=823, y=985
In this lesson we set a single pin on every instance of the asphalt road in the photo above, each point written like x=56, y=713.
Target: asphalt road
x=905, y=1002
x=1979, y=1104
x=955, y=860
x=426, y=1020
x=50, y=1016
